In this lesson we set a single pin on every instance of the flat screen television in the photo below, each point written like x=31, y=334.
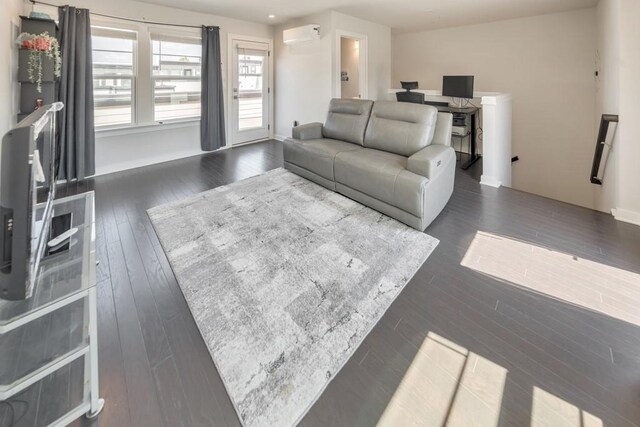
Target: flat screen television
x=28, y=172
x=457, y=86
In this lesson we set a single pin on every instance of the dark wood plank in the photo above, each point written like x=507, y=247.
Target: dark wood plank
x=172, y=397
x=144, y=406
x=113, y=384
x=155, y=340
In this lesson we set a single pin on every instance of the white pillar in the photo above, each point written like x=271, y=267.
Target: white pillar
x=496, y=140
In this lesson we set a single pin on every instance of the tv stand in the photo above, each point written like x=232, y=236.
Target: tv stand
x=49, y=342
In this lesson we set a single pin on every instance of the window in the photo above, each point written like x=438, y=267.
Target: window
x=250, y=94
x=144, y=75
x=114, y=74
x=176, y=70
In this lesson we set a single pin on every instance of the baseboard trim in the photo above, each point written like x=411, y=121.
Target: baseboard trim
x=626, y=215
x=490, y=181
x=255, y=141
x=279, y=137
x=142, y=164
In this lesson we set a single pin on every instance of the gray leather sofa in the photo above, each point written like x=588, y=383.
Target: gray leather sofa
x=393, y=157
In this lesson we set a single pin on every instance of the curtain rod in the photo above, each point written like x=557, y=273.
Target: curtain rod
x=33, y=2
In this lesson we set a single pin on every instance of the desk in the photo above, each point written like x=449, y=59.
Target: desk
x=472, y=112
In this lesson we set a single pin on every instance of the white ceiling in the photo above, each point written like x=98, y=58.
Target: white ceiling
x=401, y=15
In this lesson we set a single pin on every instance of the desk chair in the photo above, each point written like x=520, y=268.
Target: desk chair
x=413, y=97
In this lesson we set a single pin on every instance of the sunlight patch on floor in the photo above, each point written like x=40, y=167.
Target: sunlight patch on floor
x=592, y=285
x=447, y=385
x=550, y=410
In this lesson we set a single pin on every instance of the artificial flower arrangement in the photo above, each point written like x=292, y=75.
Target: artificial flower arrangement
x=38, y=45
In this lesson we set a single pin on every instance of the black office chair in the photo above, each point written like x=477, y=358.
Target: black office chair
x=414, y=97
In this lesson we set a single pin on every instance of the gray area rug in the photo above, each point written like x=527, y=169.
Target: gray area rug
x=284, y=279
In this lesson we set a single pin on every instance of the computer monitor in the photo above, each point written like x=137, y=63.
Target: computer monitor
x=409, y=85
x=457, y=86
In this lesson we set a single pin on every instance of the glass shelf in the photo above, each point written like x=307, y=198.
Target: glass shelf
x=63, y=275
x=31, y=348
x=57, y=399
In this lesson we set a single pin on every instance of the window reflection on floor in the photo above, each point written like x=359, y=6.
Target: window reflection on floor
x=447, y=385
x=550, y=410
x=588, y=284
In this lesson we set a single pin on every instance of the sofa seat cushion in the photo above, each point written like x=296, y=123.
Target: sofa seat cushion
x=383, y=176
x=316, y=155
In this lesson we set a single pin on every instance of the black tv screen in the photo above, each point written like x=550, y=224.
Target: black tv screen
x=457, y=86
x=27, y=177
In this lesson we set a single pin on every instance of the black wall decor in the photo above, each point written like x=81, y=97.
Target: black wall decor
x=600, y=143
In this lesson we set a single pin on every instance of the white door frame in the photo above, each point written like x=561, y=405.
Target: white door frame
x=364, y=63
x=231, y=38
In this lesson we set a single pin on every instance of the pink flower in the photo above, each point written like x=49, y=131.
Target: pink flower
x=42, y=44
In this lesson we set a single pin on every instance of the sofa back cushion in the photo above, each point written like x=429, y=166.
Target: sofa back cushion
x=347, y=120
x=400, y=128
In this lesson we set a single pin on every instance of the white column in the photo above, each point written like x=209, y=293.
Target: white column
x=496, y=140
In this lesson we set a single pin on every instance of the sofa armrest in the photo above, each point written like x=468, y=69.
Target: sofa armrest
x=307, y=131
x=429, y=161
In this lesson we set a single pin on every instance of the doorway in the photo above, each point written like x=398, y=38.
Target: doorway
x=351, y=66
x=250, y=103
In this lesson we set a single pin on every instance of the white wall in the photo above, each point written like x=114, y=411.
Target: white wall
x=303, y=75
x=122, y=150
x=628, y=147
x=9, y=27
x=350, y=63
x=608, y=97
x=378, y=53
x=547, y=63
x=307, y=76
x=618, y=93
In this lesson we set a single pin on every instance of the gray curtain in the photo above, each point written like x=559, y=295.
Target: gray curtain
x=76, y=134
x=212, y=134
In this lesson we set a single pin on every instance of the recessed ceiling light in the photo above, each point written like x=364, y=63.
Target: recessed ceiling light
x=272, y=16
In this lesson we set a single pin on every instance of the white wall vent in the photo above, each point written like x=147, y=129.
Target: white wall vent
x=301, y=34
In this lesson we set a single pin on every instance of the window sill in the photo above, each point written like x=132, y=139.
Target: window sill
x=126, y=130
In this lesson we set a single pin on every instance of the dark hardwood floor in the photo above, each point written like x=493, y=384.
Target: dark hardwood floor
x=554, y=355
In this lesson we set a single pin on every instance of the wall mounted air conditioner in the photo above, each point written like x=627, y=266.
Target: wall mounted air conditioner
x=301, y=34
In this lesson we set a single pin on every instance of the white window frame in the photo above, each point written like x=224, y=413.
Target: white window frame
x=143, y=85
x=194, y=35
x=133, y=77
